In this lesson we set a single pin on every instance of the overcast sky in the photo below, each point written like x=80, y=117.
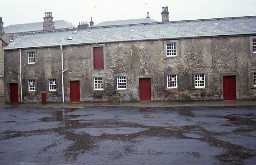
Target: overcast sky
x=24, y=11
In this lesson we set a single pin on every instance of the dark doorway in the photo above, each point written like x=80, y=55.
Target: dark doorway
x=14, y=93
x=74, y=91
x=145, y=89
x=229, y=87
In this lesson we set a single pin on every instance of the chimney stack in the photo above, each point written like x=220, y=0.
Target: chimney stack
x=82, y=25
x=165, y=14
x=1, y=26
x=48, y=24
x=91, y=22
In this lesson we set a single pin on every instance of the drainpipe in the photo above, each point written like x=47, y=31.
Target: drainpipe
x=62, y=74
x=20, y=79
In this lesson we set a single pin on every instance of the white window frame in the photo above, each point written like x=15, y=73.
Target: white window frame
x=31, y=57
x=199, y=81
x=171, y=49
x=121, y=82
x=98, y=83
x=253, y=45
x=31, y=85
x=52, y=85
x=172, y=81
x=254, y=79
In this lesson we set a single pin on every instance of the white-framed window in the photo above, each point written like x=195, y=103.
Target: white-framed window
x=172, y=81
x=254, y=45
x=52, y=85
x=199, y=80
x=171, y=49
x=254, y=79
x=98, y=83
x=121, y=82
x=31, y=57
x=31, y=85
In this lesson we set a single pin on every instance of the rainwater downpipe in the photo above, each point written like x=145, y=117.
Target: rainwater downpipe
x=20, y=79
x=62, y=74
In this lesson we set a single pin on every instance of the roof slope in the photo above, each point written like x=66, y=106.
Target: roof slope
x=171, y=30
x=36, y=26
x=127, y=22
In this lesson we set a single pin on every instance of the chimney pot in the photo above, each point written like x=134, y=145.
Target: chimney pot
x=1, y=26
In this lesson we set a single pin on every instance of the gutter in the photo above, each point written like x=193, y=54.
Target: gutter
x=20, y=79
x=62, y=74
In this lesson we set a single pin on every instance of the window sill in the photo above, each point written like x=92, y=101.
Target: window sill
x=31, y=63
x=171, y=88
x=98, y=89
x=170, y=56
x=121, y=89
x=199, y=88
x=53, y=91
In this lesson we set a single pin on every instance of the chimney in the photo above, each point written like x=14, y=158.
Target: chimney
x=91, y=22
x=1, y=26
x=147, y=15
x=82, y=25
x=165, y=14
x=48, y=24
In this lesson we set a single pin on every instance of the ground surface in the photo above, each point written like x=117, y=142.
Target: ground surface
x=128, y=136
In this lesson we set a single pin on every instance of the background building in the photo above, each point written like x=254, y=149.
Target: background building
x=210, y=59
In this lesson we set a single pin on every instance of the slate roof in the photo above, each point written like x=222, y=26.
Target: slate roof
x=127, y=22
x=36, y=26
x=172, y=30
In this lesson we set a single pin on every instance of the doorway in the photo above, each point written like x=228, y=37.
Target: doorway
x=145, y=89
x=74, y=91
x=229, y=87
x=14, y=93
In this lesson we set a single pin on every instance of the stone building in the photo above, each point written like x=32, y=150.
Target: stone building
x=207, y=59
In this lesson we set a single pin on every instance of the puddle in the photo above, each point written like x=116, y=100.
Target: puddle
x=111, y=131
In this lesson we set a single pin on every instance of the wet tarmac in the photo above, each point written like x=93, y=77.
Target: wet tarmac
x=128, y=136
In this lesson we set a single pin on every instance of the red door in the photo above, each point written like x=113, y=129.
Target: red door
x=14, y=93
x=229, y=87
x=74, y=91
x=145, y=89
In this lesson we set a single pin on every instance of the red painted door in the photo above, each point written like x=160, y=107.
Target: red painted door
x=74, y=91
x=229, y=87
x=145, y=89
x=14, y=93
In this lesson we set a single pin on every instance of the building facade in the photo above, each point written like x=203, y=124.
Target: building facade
x=211, y=59
x=2, y=43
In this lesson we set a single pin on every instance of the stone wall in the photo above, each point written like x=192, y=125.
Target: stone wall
x=215, y=57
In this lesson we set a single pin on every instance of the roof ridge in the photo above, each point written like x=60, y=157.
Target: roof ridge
x=211, y=19
x=34, y=23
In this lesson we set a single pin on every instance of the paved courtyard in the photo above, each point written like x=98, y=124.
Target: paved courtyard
x=128, y=136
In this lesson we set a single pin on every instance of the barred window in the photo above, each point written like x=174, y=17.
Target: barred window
x=31, y=57
x=172, y=81
x=121, y=82
x=171, y=49
x=52, y=85
x=31, y=85
x=254, y=79
x=199, y=80
x=98, y=83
